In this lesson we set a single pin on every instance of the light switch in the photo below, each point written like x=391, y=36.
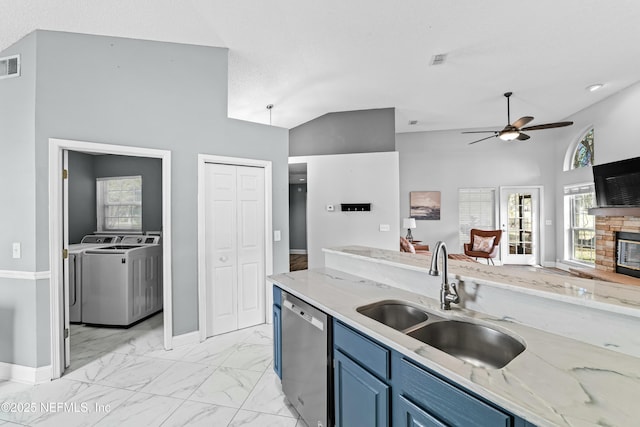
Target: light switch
x=277, y=236
x=385, y=227
x=548, y=222
x=17, y=253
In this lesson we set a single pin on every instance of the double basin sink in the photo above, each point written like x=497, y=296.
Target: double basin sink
x=477, y=344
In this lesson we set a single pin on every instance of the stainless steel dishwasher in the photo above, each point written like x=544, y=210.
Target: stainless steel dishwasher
x=306, y=368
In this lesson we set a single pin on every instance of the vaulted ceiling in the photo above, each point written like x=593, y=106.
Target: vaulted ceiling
x=309, y=58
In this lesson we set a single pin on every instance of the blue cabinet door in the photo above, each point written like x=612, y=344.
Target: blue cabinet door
x=406, y=414
x=277, y=341
x=360, y=398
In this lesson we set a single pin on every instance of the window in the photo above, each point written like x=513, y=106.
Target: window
x=476, y=209
x=580, y=226
x=583, y=156
x=119, y=203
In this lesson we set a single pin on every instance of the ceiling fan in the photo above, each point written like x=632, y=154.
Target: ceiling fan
x=515, y=130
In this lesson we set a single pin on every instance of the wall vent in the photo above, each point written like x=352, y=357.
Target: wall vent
x=9, y=66
x=438, y=59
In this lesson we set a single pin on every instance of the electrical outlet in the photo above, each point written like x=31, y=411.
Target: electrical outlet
x=385, y=227
x=277, y=236
x=17, y=253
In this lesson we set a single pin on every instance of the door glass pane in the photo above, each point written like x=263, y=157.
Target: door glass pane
x=520, y=223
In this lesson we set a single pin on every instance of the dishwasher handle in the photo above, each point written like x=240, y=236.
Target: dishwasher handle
x=304, y=315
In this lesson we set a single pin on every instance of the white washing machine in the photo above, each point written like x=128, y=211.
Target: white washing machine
x=76, y=251
x=122, y=284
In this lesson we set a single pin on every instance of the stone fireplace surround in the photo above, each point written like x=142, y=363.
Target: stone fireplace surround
x=606, y=228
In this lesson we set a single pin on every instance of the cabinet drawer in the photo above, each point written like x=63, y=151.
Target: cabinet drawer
x=446, y=402
x=372, y=356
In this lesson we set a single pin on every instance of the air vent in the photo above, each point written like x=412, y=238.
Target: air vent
x=9, y=66
x=438, y=59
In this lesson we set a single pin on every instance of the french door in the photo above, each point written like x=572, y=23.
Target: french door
x=520, y=222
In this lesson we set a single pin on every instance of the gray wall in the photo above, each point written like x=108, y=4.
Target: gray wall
x=19, y=316
x=82, y=196
x=151, y=172
x=366, y=131
x=137, y=93
x=297, y=217
x=83, y=171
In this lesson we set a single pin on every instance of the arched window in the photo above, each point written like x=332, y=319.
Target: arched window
x=583, y=156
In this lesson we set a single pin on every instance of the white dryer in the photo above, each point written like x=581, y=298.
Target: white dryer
x=122, y=284
x=76, y=251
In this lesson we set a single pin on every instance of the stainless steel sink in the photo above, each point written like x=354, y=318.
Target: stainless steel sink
x=395, y=314
x=476, y=344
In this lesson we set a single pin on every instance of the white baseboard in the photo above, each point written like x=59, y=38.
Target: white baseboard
x=25, y=374
x=186, y=339
x=297, y=251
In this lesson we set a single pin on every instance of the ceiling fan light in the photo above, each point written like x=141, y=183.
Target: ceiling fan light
x=509, y=135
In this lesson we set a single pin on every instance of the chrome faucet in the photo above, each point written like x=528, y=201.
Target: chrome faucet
x=448, y=291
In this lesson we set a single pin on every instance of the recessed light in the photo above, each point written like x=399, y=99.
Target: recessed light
x=594, y=87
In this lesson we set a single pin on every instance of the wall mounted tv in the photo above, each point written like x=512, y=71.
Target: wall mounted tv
x=617, y=183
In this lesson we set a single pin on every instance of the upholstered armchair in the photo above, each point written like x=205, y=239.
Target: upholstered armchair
x=483, y=244
x=406, y=246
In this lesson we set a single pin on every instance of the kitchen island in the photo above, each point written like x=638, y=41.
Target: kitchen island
x=559, y=379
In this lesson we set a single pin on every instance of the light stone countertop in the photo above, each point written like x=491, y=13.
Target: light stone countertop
x=608, y=296
x=556, y=381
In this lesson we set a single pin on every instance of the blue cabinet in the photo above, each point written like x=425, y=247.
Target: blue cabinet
x=277, y=331
x=360, y=398
x=441, y=400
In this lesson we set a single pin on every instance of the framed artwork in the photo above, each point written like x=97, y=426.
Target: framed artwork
x=424, y=205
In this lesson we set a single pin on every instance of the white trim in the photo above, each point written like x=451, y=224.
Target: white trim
x=297, y=251
x=186, y=339
x=56, y=149
x=268, y=226
x=25, y=374
x=26, y=275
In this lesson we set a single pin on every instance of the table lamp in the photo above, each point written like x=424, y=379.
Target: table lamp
x=409, y=223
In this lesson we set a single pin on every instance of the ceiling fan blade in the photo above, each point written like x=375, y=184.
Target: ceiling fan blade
x=488, y=137
x=523, y=137
x=481, y=131
x=548, y=126
x=522, y=121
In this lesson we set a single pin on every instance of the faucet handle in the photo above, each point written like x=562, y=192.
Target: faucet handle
x=454, y=297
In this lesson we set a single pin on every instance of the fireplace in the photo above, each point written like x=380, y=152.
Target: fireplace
x=628, y=253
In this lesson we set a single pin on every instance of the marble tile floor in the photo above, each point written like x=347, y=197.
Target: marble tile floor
x=125, y=378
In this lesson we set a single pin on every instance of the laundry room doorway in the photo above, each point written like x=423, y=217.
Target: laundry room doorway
x=234, y=243
x=59, y=247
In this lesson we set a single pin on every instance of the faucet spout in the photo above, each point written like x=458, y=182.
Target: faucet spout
x=448, y=291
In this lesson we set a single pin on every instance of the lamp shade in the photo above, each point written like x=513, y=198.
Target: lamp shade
x=409, y=223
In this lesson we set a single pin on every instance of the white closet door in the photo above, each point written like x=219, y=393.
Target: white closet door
x=250, y=246
x=221, y=249
x=235, y=247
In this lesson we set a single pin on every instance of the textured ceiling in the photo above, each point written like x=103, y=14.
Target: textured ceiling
x=309, y=58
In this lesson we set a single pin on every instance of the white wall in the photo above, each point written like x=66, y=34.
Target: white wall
x=351, y=178
x=616, y=137
x=444, y=161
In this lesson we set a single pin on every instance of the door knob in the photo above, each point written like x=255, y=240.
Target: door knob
x=223, y=258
